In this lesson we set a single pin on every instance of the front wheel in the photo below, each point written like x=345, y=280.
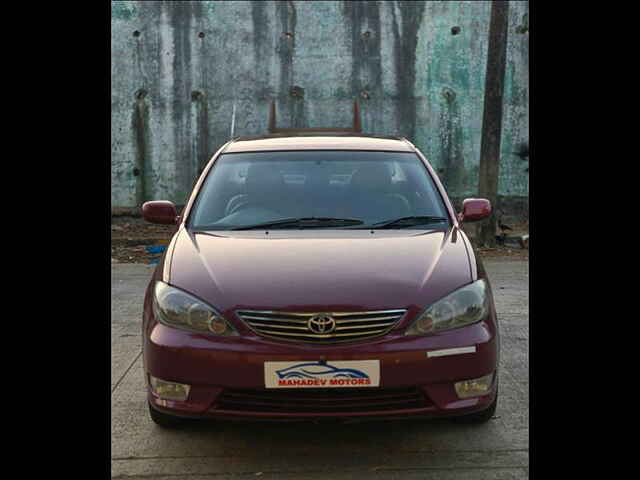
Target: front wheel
x=164, y=420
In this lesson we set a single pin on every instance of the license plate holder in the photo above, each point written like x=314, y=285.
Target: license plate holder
x=322, y=374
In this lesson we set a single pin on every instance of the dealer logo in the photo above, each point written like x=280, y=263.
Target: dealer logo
x=322, y=374
x=317, y=374
x=321, y=324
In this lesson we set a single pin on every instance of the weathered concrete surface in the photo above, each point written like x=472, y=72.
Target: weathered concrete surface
x=396, y=450
x=418, y=68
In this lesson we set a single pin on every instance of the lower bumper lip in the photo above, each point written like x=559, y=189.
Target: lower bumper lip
x=212, y=367
x=430, y=412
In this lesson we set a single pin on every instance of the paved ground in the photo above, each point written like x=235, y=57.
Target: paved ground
x=438, y=450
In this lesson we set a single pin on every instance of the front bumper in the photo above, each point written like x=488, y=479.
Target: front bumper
x=227, y=375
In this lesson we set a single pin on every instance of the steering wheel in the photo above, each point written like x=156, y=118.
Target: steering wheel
x=241, y=204
x=245, y=203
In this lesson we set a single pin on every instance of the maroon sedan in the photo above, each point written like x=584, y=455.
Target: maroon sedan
x=319, y=276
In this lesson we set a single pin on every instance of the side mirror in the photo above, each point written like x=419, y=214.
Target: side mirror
x=160, y=211
x=474, y=209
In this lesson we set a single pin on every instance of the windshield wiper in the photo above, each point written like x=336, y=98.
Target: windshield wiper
x=302, y=222
x=407, y=221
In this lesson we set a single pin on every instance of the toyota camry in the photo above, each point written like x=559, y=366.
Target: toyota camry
x=319, y=275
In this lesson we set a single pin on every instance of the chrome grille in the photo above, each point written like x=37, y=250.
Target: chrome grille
x=349, y=326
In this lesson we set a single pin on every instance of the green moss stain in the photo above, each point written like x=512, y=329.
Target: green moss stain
x=454, y=174
x=123, y=10
x=514, y=159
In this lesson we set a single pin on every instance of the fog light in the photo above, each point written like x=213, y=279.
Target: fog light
x=169, y=390
x=474, y=387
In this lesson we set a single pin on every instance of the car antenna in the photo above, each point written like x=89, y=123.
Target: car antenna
x=233, y=119
x=357, y=123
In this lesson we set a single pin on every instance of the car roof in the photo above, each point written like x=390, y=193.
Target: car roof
x=318, y=141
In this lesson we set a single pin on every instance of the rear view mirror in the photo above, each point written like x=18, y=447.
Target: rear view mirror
x=160, y=211
x=474, y=209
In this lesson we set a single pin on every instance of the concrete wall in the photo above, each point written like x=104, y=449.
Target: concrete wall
x=178, y=69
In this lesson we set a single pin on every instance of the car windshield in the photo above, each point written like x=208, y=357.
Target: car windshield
x=318, y=189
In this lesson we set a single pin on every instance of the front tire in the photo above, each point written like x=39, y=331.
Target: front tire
x=164, y=420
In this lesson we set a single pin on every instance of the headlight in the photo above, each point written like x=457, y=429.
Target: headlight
x=178, y=309
x=465, y=306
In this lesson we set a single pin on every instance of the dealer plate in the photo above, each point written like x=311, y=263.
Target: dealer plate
x=318, y=374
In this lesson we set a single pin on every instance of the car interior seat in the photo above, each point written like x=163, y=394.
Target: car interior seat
x=264, y=187
x=369, y=195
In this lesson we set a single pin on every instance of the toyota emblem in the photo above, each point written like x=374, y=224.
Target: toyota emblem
x=322, y=323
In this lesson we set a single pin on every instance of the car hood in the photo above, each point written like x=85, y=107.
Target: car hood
x=320, y=270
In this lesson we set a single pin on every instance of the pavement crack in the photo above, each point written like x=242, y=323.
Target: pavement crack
x=126, y=371
x=395, y=452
